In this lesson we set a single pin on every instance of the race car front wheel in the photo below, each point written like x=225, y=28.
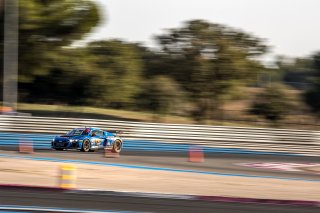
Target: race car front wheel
x=117, y=146
x=85, y=146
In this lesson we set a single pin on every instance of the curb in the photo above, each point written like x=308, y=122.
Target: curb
x=260, y=201
x=223, y=199
x=50, y=209
x=31, y=187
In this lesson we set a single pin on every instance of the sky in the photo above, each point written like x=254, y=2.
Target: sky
x=291, y=27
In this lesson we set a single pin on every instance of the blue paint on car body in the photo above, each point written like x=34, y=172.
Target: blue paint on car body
x=86, y=139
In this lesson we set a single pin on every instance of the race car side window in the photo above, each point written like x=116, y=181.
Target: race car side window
x=99, y=133
x=94, y=133
x=85, y=131
x=75, y=132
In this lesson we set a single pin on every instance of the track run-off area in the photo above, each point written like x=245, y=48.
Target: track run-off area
x=255, y=166
x=230, y=175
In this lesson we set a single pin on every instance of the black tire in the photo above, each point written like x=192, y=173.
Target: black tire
x=59, y=149
x=86, y=146
x=117, y=146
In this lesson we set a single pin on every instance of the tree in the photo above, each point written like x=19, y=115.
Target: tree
x=209, y=60
x=272, y=103
x=116, y=72
x=1, y=46
x=45, y=27
x=295, y=72
x=104, y=73
x=162, y=95
x=312, y=96
x=67, y=80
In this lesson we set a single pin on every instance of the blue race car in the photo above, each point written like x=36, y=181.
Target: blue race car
x=88, y=139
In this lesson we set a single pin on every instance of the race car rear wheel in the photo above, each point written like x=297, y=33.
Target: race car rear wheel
x=117, y=146
x=85, y=146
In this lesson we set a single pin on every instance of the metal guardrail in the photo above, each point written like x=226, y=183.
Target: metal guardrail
x=251, y=139
x=43, y=141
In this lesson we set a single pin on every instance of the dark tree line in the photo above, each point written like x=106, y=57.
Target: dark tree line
x=195, y=69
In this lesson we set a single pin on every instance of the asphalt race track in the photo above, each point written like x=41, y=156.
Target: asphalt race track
x=89, y=201
x=219, y=163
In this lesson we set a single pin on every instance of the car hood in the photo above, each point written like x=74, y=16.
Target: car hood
x=67, y=138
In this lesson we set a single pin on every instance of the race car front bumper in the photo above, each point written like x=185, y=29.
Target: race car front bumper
x=65, y=145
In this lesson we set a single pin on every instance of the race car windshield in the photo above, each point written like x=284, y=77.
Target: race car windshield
x=75, y=132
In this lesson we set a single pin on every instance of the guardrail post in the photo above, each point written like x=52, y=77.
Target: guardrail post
x=67, y=176
x=26, y=146
x=196, y=154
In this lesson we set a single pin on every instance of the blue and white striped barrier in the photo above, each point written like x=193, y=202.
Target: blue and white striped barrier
x=43, y=141
x=166, y=137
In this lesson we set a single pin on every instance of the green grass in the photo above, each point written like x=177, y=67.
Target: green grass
x=94, y=112
x=112, y=114
x=126, y=115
